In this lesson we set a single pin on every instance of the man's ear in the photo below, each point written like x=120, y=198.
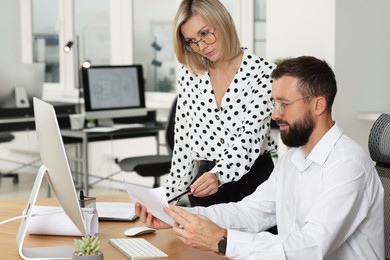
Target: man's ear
x=319, y=105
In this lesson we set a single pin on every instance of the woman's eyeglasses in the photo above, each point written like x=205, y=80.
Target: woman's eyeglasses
x=205, y=36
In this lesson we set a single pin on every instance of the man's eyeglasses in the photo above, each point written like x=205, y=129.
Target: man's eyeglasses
x=280, y=105
x=205, y=36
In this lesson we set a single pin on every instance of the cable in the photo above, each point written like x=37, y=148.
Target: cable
x=12, y=219
x=32, y=215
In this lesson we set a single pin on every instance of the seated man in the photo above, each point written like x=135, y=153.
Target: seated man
x=324, y=194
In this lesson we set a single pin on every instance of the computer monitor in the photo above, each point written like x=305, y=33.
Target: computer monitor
x=56, y=169
x=113, y=92
x=19, y=83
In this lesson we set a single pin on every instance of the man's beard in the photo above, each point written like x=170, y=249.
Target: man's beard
x=299, y=132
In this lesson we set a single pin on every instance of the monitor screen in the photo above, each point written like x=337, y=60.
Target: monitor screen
x=113, y=91
x=29, y=77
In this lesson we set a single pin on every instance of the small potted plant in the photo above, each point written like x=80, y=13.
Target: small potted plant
x=87, y=248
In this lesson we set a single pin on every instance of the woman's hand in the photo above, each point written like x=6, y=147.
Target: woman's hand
x=148, y=218
x=206, y=185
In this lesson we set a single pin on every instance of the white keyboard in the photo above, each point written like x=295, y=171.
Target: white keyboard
x=137, y=248
x=128, y=126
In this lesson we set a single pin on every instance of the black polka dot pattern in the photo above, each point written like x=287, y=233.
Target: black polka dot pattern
x=235, y=135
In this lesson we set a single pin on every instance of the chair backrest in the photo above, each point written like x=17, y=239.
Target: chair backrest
x=379, y=148
x=170, y=129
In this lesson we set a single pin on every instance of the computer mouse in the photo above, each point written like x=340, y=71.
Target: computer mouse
x=136, y=231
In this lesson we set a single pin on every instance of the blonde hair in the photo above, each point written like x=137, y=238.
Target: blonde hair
x=217, y=15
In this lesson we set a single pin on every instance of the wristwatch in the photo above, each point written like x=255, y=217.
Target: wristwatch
x=223, y=243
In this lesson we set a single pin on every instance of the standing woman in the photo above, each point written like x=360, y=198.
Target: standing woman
x=222, y=130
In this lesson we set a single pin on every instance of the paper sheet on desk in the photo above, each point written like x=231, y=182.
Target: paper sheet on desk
x=100, y=129
x=119, y=211
x=115, y=127
x=128, y=126
x=153, y=199
x=49, y=220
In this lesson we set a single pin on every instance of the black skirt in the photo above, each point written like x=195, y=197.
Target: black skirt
x=235, y=191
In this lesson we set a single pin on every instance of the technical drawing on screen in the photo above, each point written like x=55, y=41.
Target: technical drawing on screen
x=113, y=91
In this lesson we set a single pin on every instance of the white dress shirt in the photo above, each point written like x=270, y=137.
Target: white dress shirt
x=328, y=205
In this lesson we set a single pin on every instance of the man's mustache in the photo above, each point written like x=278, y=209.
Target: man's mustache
x=278, y=122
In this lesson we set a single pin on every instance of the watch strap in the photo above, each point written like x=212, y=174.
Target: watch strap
x=222, y=244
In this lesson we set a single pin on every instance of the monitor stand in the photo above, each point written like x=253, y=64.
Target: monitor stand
x=105, y=122
x=42, y=253
x=21, y=98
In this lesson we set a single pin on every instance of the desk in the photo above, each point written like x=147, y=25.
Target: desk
x=151, y=128
x=21, y=119
x=165, y=240
x=371, y=116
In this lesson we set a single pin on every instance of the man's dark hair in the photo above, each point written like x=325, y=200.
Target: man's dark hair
x=316, y=78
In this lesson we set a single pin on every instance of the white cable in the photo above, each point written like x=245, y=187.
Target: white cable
x=12, y=219
x=33, y=215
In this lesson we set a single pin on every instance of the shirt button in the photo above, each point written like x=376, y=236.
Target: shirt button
x=217, y=117
x=221, y=141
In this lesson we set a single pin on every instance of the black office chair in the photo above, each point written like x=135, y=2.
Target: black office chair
x=5, y=138
x=379, y=148
x=154, y=165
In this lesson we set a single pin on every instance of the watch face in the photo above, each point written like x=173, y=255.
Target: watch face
x=222, y=245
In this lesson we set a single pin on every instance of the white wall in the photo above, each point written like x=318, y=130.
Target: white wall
x=9, y=31
x=362, y=62
x=300, y=27
x=353, y=36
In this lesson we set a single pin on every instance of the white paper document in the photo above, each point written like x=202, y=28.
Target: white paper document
x=52, y=220
x=100, y=129
x=128, y=126
x=153, y=199
x=120, y=211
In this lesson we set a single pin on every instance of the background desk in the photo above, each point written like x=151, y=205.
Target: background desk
x=151, y=128
x=165, y=240
x=21, y=119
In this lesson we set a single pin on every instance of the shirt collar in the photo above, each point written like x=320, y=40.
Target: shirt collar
x=321, y=150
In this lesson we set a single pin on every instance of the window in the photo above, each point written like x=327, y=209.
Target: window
x=260, y=32
x=117, y=32
x=153, y=43
x=45, y=37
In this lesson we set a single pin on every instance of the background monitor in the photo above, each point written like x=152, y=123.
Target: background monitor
x=30, y=77
x=113, y=91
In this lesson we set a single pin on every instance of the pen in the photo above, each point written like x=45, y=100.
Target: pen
x=179, y=196
x=81, y=198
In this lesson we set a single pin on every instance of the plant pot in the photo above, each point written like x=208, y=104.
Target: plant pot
x=88, y=257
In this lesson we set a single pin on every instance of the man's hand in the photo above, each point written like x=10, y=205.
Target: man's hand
x=149, y=219
x=195, y=230
x=206, y=185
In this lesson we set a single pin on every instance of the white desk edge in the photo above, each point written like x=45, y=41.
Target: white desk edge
x=370, y=116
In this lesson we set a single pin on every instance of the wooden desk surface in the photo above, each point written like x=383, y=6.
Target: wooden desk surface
x=165, y=240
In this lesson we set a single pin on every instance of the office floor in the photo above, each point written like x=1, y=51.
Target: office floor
x=22, y=190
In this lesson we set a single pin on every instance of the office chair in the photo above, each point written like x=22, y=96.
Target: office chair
x=379, y=148
x=5, y=138
x=154, y=165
